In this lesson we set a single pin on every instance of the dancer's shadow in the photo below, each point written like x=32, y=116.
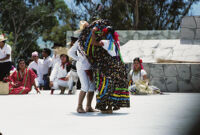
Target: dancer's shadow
x=163, y=94
x=98, y=114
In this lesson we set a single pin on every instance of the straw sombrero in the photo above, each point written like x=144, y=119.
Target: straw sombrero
x=82, y=25
x=2, y=38
x=62, y=50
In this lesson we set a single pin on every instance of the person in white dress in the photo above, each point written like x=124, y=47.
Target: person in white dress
x=60, y=78
x=140, y=84
x=137, y=73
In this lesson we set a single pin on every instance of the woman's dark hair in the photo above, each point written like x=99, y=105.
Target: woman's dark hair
x=140, y=61
x=47, y=51
x=20, y=60
x=136, y=59
x=67, y=58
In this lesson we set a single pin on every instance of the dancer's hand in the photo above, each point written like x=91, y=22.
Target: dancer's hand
x=66, y=78
x=101, y=43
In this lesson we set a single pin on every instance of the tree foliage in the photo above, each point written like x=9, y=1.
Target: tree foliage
x=27, y=20
x=140, y=14
x=58, y=32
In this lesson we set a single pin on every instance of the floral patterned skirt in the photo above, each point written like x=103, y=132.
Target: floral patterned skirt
x=110, y=79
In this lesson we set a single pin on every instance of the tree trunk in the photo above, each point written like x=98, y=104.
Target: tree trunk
x=136, y=14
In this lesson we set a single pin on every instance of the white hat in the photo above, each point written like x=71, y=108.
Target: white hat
x=2, y=38
x=82, y=25
x=35, y=53
x=62, y=50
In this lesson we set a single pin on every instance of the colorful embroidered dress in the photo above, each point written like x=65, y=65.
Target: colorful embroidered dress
x=24, y=82
x=110, y=72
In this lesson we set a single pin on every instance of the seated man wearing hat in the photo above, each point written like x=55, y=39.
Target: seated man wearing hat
x=36, y=66
x=60, y=77
x=5, y=57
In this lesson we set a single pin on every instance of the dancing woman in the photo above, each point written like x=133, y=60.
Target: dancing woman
x=100, y=43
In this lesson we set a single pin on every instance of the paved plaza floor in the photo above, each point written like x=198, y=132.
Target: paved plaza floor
x=45, y=114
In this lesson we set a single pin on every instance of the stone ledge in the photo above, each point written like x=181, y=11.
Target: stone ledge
x=126, y=35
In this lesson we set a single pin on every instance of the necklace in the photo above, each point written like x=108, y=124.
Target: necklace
x=21, y=74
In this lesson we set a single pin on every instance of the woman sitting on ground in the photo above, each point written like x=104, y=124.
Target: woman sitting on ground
x=22, y=80
x=138, y=78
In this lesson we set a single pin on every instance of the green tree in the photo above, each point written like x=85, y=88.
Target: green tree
x=140, y=14
x=57, y=33
x=27, y=20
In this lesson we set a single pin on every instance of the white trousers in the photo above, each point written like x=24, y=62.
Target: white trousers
x=62, y=83
x=39, y=81
x=74, y=75
x=86, y=84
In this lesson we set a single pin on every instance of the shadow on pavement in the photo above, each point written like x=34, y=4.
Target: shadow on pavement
x=98, y=114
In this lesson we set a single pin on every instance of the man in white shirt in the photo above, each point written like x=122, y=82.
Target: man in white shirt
x=60, y=78
x=46, y=67
x=87, y=85
x=5, y=57
x=83, y=70
x=36, y=66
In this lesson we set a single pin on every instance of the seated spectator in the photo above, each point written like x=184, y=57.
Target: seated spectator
x=60, y=77
x=138, y=78
x=22, y=80
x=36, y=66
x=46, y=67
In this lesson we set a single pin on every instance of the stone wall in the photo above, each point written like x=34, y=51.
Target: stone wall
x=152, y=50
x=190, y=30
x=173, y=77
x=126, y=35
